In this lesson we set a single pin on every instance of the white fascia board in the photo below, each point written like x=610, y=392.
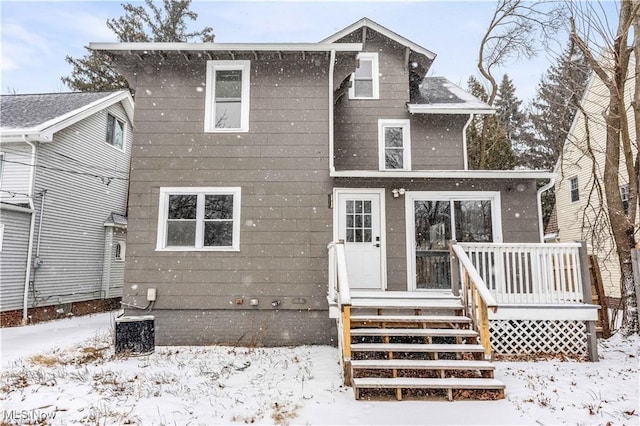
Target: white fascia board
x=429, y=109
x=365, y=22
x=45, y=131
x=556, y=312
x=21, y=135
x=212, y=47
x=444, y=174
x=50, y=127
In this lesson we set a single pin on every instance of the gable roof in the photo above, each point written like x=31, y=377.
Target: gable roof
x=366, y=22
x=38, y=116
x=437, y=95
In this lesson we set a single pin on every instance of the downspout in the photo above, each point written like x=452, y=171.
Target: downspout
x=27, y=278
x=332, y=61
x=464, y=142
x=542, y=189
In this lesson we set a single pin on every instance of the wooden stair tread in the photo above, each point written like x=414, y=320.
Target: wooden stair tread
x=419, y=382
x=414, y=347
x=376, y=294
x=444, y=332
x=407, y=303
x=420, y=364
x=410, y=318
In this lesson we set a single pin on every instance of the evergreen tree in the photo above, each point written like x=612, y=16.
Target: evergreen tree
x=551, y=113
x=491, y=130
x=148, y=23
x=509, y=111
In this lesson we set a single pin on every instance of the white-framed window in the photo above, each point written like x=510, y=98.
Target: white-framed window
x=120, y=251
x=115, y=132
x=574, y=189
x=394, y=144
x=1, y=166
x=199, y=219
x=624, y=195
x=227, y=96
x=1, y=235
x=364, y=81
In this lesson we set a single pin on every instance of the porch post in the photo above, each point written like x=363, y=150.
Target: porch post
x=592, y=340
x=455, y=269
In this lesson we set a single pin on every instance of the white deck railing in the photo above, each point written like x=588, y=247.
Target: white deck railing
x=529, y=273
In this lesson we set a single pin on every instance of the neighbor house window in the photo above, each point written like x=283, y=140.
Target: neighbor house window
x=364, y=81
x=574, y=190
x=394, y=145
x=227, y=96
x=199, y=219
x=120, y=251
x=115, y=131
x=624, y=195
x=1, y=166
x=1, y=235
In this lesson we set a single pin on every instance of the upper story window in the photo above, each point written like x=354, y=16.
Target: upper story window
x=574, y=189
x=199, y=219
x=227, y=96
x=394, y=145
x=115, y=131
x=364, y=82
x=624, y=195
x=1, y=166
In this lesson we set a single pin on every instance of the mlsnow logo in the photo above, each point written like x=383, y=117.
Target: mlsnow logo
x=27, y=416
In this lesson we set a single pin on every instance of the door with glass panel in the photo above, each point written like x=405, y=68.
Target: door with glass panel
x=359, y=225
x=436, y=219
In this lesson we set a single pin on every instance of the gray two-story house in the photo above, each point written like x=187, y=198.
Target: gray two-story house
x=278, y=188
x=249, y=159
x=63, y=192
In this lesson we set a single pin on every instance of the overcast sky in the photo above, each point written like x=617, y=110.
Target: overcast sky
x=37, y=35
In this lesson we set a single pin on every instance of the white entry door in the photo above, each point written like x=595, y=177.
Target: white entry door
x=359, y=224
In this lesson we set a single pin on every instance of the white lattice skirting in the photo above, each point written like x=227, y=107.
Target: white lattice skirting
x=518, y=337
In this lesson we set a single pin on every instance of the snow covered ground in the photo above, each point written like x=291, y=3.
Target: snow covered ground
x=65, y=372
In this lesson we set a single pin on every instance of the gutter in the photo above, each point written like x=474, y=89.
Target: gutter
x=548, y=186
x=332, y=61
x=464, y=142
x=27, y=277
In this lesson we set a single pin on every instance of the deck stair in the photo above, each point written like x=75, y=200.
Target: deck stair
x=418, y=345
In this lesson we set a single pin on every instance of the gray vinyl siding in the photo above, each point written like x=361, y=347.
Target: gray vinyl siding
x=436, y=140
x=16, y=173
x=76, y=206
x=281, y=165
x=13, y=258
x=518, y=210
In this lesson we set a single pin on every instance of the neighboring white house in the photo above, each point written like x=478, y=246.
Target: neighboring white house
x=580, y=198
x=63, y=198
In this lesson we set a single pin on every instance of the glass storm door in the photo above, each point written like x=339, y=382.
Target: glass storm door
x=359, y=227
x=437, y=221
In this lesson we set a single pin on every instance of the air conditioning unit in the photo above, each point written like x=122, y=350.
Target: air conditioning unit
x=135, y=334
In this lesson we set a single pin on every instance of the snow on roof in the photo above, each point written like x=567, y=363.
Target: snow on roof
x=117, y=220
x=437, y=95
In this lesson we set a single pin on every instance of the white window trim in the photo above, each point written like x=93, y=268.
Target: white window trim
x=1, y=235
x=412, y=196
x=406, y=143
x=571, y=189
x=375, y=73
x=124, y=133
x=209, y=106
x=123, y=250
x=164, y=210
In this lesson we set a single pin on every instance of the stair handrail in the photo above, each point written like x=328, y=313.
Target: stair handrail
x=340, y=294
x=477, y=299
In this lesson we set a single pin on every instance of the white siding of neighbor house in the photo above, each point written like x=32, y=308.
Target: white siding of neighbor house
x=76, y=206
x=13, y=258
x=575, y=219
x=16, y=174
x=113, y=273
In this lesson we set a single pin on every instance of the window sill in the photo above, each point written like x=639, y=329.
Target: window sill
x=212, y=249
